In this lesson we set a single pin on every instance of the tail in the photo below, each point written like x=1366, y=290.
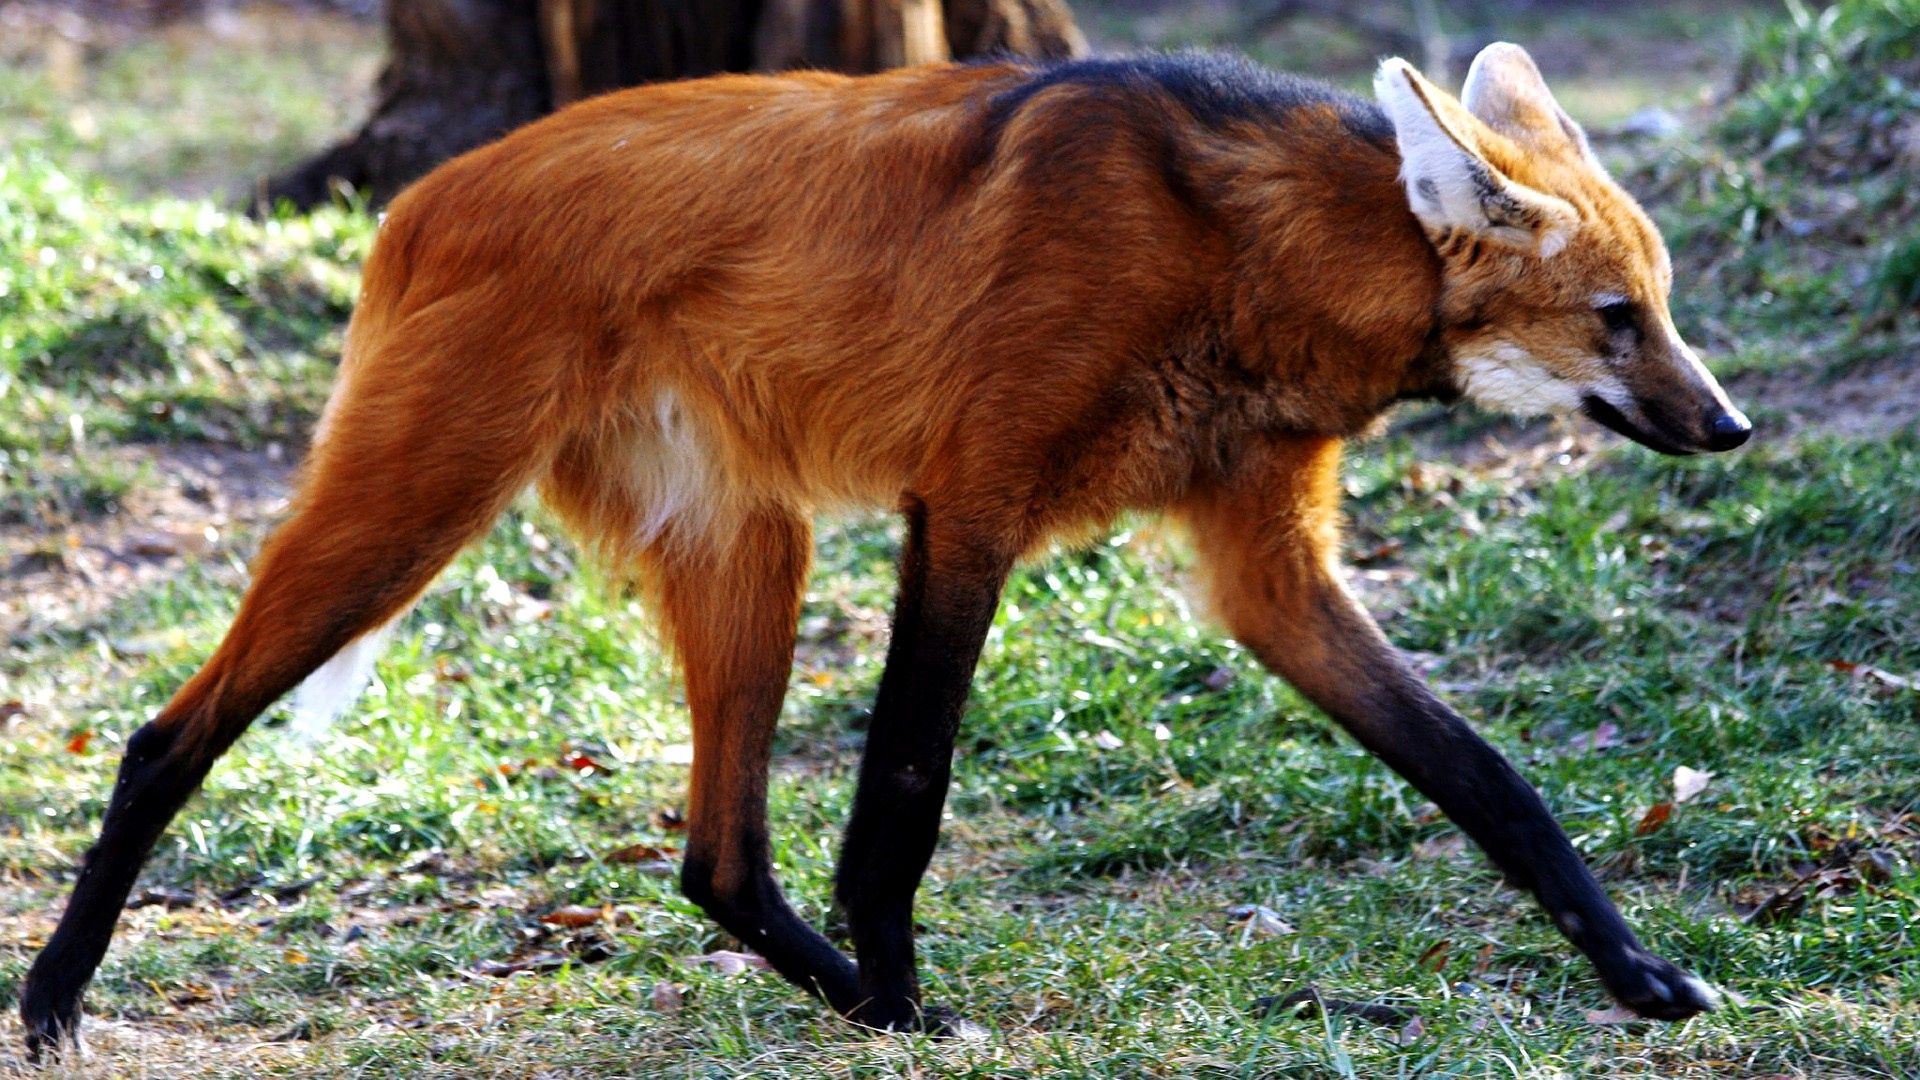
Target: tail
x=320, y=699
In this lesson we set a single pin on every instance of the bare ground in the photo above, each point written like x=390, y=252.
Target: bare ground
x=201, y=499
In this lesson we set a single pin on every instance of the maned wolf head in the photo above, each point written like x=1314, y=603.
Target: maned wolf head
x=1554, y=282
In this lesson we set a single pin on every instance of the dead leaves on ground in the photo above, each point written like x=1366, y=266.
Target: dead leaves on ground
x=654, y=860
x=1614, y=1015
x=1258, y=920
x=580, y=761
x=576, y=934
x=729, y=962
x=575, y=916
x=1847, y=867
x=1656, y=816
x=1688, y=783
x=1885, y=680
x=564, y=936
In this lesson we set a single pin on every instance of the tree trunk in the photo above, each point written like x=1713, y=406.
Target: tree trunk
x=462, y=72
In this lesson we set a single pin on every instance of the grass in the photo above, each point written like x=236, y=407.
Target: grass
x=1795, y=214
x=1125, y=777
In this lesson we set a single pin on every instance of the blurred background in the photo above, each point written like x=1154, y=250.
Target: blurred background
x=474, y=876
x=199, y=97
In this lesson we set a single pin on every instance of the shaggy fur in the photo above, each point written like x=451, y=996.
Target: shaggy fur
x=1012, y=301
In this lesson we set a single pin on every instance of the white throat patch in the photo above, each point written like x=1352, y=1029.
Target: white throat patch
x=1506, y=379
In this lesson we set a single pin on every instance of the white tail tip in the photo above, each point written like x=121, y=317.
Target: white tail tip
x=326, y=693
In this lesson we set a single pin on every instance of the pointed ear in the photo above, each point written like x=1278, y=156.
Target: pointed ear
x=1504, y=90
x=1450, y=183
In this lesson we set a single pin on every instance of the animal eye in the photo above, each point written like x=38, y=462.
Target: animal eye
x=1619, y=316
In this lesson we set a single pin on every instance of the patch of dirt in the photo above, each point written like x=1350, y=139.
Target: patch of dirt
x=208, y=502
x=1872, y=403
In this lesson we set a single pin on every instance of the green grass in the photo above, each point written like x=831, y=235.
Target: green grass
x=1125, y=775
x=152, y=320
x=195, y=111
x=1795, y=217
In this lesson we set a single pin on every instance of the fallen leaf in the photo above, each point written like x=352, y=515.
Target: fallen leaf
x=1872, y=674
x=78, y=744
x=576, y=915
x=583, y=762
x=1814, y=882
x=1688, y=782
x=1435, y=958
x=184, y=994
x=1656, y=816
x=1483, y=960
x=1260, y=919
x=668, y=997
x=1415, y=1028
x=1617, y=1014
x=294, y=956
x=179, y=540
x=1877, y=865
x=640, y=853
x=728, y=962
x=1218, y=679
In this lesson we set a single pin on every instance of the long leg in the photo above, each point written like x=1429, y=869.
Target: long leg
x=1267, y=540
x=732, y=607
x=415, y=465
x=949, y=587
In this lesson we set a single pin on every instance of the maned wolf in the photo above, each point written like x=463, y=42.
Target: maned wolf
x=1012, y=300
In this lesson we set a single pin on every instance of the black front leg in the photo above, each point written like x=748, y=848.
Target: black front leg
x=1404, y=725
x=1347, y=668
x=949, y=589
x=1267, y=538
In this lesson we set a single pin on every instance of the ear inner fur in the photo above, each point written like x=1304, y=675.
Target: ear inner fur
x=1451, y=182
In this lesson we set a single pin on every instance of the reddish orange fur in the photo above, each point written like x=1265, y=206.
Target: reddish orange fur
x=840, y=303
x=696, y=314
x=846, y=306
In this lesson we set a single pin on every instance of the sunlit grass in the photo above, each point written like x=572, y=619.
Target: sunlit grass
x=1125, y=775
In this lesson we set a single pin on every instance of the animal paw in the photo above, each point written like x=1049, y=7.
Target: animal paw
x=1656, y=989
x=52, y=1020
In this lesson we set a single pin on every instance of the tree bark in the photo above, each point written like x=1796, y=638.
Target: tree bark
x=463, y=72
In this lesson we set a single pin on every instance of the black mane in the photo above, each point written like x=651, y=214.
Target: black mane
x=1216, y=88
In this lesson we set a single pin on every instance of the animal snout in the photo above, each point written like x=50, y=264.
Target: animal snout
x=1728, y=429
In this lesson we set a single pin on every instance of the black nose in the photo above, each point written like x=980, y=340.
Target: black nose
x=1728, y=430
